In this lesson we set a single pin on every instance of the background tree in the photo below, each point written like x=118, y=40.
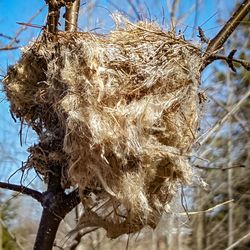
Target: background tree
x=227, y=167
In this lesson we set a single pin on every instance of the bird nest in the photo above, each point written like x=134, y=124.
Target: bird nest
x=117, y=113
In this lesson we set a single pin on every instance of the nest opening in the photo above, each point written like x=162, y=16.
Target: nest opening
x=118, y=113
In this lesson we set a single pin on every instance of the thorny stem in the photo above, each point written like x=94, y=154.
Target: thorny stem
x=71, y=15
x=217, y=42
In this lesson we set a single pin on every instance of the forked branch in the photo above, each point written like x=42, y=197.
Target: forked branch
x=218, y=41
x=71, y=14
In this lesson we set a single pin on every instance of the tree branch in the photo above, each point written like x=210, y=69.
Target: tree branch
x=238, y=241
x=7, y=47
x=243, y=63
x=24, y=190
x=71, y=15
x=217, y=168
x=14, y=40
x=72, y=200
x=217, y=42
x=53, y=14
x=204, y=137
x=48, y=227
x=56, y=204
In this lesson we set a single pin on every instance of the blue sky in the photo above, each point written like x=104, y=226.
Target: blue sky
x=13, y=11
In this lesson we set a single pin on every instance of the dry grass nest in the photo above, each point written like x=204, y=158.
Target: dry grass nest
x=117, y=113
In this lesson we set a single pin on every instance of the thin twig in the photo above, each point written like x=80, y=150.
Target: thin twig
x=216, y=168
x=234, y=115
x=207, y=210
x=238, y=241
x=23, y=28
x=195, y=17
x=117, y=8
x=213, y=245
x=243, y=63
x=24, y=190
x=8, y=37
x=9, y=48
x=203, y=138
x=53, y=14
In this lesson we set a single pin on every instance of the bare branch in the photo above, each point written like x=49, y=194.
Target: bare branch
x=8, y=37
x=203, y=138
x=209, y=209
x=71, y=15
x=23, y=28
x=216, y=168
x=247, y=236
x=243, y=63
x=24, y=190
x=53, y=14
x=217, y=42
x=235, y=116
x=9, y=48
x=14, y=39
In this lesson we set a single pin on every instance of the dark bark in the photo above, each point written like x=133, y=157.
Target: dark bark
x=55, y=207
x=47, y=230
x=53, y=14
x=24, y=190
x=56, y=204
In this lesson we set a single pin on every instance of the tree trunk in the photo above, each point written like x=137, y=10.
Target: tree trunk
x=47, y=230
x=56, y=204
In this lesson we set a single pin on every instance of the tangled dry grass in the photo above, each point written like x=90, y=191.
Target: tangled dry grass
x=118, y=113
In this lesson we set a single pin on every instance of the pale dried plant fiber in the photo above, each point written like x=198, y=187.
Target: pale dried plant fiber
x=118, y=113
